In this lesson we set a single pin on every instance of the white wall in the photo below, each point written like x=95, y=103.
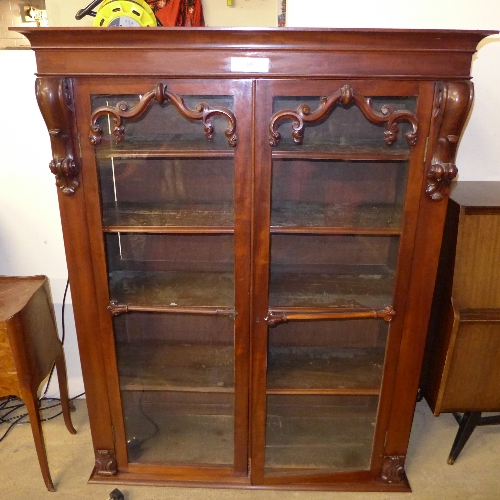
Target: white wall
x=441, y=14
x=62, y=13
x=30, y=229
x=479, y=154
x=241, y=13
x=10, y=15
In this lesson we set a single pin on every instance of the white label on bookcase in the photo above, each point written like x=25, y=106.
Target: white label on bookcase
x=250, y=64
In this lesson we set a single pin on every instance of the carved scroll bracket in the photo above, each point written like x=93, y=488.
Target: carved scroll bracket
x=451, y=108
x=105, y=463
x=344, y=96
x=393, y=469
x=115, y=308
x=275, y=318
x=202, y=112
x=55, y=100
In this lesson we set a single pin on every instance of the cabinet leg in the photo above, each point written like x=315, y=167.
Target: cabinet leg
x=467, y=425
x=63, y=391
x=420, y=395
x=31, y=403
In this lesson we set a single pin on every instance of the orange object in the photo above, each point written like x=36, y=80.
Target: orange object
x=178, y=12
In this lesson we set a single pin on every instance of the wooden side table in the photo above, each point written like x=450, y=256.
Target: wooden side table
x=29, y=347
x=462, y=363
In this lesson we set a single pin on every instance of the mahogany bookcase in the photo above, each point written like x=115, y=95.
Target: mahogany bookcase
x=252, y=221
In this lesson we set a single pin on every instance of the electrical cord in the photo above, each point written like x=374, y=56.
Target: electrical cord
x=134, y=444
x=14, y=404
x=63, y=336
x=19, y=419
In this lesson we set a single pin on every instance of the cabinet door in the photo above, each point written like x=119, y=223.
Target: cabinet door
x=338, y=185
x=168, y=205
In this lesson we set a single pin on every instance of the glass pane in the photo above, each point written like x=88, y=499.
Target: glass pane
x=344, y=128
x=332, y=271
x=167, y=200
x=184, y=270
x=167, y=192
x=161, y=126
x=341, y=355
x=177, y=386
x=323, y=386
x=337, y=206
x=319, y=434
x=343, y=194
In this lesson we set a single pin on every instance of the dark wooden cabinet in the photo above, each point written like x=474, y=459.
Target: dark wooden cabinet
x=252, y=221
x=461, y=371
x=463, y=353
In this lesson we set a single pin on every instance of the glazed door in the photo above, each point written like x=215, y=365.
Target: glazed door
x=333, y=248
x=170, y=198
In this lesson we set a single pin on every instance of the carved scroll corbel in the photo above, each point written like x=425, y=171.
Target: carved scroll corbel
x=202, y=112
x=393, y=469
x=55, y=100
x=451, y=109
x=105, y=463
x=344, y=96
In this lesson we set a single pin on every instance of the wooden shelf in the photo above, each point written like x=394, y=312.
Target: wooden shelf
x=158, y=366
x=356, y=291
x=171, y=288
x=199, y=217
x=336, y=219
x=164, y=147
x=209, y=368
x=287, y=217
x=323, y=150
x=313, y=370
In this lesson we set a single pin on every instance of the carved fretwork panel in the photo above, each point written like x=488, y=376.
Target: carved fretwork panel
x=105, y=462
x=160, y=93
x=393, y=469
x=55, y=99
x=344, y=96
x=451, y=108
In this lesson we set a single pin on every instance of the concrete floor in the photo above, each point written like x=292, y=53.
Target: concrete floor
x=475, y=475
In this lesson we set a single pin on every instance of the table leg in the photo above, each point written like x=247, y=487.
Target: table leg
x=63, y=391
x=467, y=425
x=31, y=402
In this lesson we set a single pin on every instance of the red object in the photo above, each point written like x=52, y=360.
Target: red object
x=178, y=12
